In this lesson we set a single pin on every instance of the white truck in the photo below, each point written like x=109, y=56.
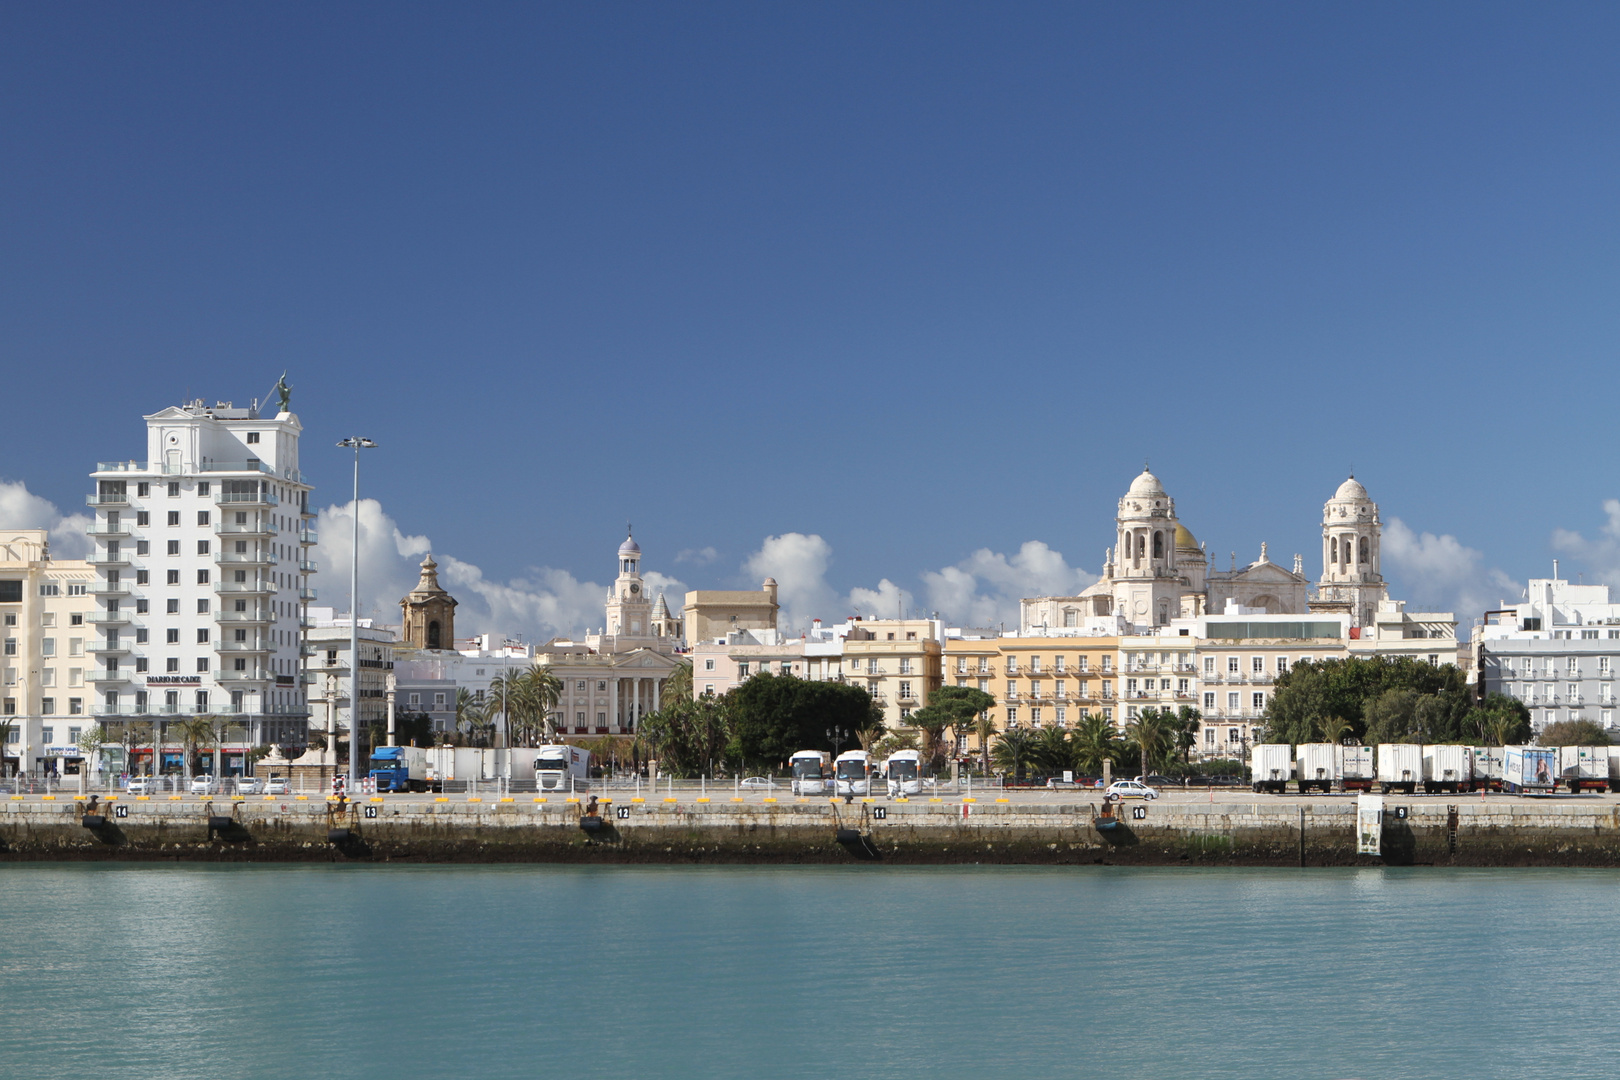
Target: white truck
x=1448, y=768
x=560, y=767
x=809, y=769
x=1270, y=766
x=1359, y=770
x=1400, y=767
x=852, y=773
x=1584, y=768
x=903, y=770
x=1485, y=763
x=1318, y=766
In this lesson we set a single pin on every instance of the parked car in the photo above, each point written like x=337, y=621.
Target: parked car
x=144, y=785
x=1225, y=780
x=1157, y=781
x=247, y=785
x=1131, y=789
x=204, y=785
x=276, y=785
x=756, y=782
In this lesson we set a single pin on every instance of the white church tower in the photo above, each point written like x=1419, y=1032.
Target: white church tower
x=1147, y=586
x=1351, y=533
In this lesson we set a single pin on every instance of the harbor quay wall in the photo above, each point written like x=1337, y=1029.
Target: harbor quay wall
x=1497, y=832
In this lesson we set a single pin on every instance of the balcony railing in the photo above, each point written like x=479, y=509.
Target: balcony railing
x=254, y=615
x=108, y=588
x=243, y=646
x=253, y=465
x=102, y=675
x=111, y=648
x=107, y=530
x=244, y=588
x=121, y=466
x=107, y=618
x=240, y=499
x=309, y=536
x=308, y=594
x=108, y=558
x=107, y=498
x=307, y=566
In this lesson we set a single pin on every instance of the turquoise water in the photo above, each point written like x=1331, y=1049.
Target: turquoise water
x=344, y=971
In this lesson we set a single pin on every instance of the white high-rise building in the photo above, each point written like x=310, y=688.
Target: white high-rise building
x=203, y=574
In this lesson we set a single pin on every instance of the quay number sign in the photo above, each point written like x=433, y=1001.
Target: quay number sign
x=120, y=810
x=881, y=813
x=1138, y=812
x=371, y=811
x=621, y=812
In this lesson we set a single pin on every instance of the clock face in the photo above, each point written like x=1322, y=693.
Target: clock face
x=634, y=588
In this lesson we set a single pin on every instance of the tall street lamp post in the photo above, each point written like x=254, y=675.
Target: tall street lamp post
x=358, y=444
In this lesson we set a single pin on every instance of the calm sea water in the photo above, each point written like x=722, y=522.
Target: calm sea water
x=225, y=972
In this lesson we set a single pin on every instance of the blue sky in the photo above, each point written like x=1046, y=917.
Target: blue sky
x=853, y=294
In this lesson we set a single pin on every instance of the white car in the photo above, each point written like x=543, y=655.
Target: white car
x=204, y=785
x=1131, y=789
x=247, y=785
x=144, y=785
x=276, y=785
x=756, y=782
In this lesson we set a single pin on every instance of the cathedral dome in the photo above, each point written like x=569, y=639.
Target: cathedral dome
x=1145, y=486
x=1184, y=539
x=1350, y=490
x=629, y=547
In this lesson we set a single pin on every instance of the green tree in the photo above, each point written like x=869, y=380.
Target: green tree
x=194, y=731
x=1502, y=721
x=1185, y=726
x=1151, y=733
x=1013, y=751
x=1573, y=733
x=984, y=729
x=1353, y=689
x=542, y=689
x=1053, y=751
x=91, y=741
x=688, y=737
x=772, y=716
x=1095, y=739
x=469, y=712
x=931, y=722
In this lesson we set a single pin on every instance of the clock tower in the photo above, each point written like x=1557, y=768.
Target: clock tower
x=629, y=608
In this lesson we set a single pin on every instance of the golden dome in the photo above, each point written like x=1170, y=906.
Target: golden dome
x=1184, y=539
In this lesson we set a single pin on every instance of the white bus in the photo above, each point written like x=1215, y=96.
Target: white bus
x=853, y=773
x=904, y=771
x=809, y=772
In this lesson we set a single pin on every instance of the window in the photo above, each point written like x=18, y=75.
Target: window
x=1209, y=702
x=172, y=606
x=202, y=577
x=204, y=488
x=1282, y=665
x=47, y=705
x=1257, y=664
x=1108, y=663
x=742, y=669
x=1062, y=715
x=141, y=577
x=174, y=577
x=202, y=663
x=905, y=690
x=1012, y=688
x=76, y=619
x=75, y=706
x=1035, y=714
x=47, y=735
x=1231, y=665
x=49, y=588
x=143, y=490
x=1589, y=635
x=11, y=646
x=78, y=588
x=708, y=665
x=905, y=665
x=1572, y=665
x=75, y=646
x=1012, y=716
x=1603, y=665
x=252, y=437
x=202, y=547
x=10, y=709
x=174, y=517
x=1083, y=660
x=172, y=663
x=173, y=635
x=1209, y=665
x=174, y=490
x=1130, y=686
x=1209, y=736
x=140, y=661
x=1182, y=687
x=1259, y=702
x=240, y=664
x=1232, y=701
x=1057, y=665
x=202, y=635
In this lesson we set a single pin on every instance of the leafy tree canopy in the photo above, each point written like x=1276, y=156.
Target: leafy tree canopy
x=1573, y=733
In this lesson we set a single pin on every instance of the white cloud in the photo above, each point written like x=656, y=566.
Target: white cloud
x=1440, y=573
x=981, y=590
x=541, y=604
x=984, y=589
x=698, y=556
x=22, y=509
x=1600, y=557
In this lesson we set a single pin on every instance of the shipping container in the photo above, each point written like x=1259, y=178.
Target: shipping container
x=1270, y=765
x=1529, y=768
x=1447, y=768
x=1400, y=767
x=1584, y=768
x=1357, y=767
x=1319, y=766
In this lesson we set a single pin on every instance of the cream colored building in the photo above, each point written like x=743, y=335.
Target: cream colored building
x=1037, y=681
x=719, y=666
x=50, y=623
x=709, y=615
x=1241, y=654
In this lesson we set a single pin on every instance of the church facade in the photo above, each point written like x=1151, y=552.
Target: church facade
x=1157, y=572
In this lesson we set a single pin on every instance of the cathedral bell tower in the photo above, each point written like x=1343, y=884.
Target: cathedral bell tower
x=1351, y=534
x=1147, y=583
x=428, y=613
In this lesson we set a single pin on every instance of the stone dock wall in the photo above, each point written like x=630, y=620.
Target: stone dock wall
x=1499, y=832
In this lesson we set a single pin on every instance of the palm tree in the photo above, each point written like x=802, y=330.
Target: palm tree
x=1053, y=752
x=1150, y=732
x=1332, y=729
x=1014, y=750
x=679, y=682
x=194, y=731
x=542, y=689
x=1095, y=740
x=984, y=726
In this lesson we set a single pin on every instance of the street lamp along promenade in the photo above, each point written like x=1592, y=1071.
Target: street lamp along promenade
x=358, y=444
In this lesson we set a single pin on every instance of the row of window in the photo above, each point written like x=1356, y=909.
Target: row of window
x=1550, y=664
x=53, y=588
